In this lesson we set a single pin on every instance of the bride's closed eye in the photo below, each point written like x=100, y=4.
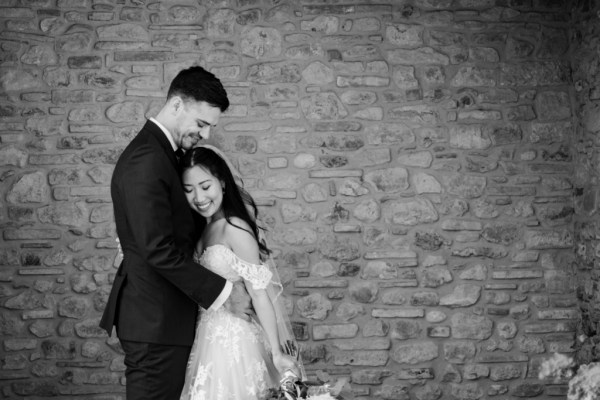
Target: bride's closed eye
x=189, y=189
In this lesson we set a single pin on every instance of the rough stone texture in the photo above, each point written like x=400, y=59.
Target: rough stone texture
x=426, y=169
x=584, y=146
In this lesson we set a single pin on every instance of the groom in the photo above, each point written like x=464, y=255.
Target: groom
x=158, y=287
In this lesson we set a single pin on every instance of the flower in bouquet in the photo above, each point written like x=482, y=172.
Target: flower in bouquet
x=292, y=387
x=585, y=385
x=558, y=368
x=584, y=380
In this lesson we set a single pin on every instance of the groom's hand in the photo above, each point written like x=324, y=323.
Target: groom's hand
x=239, y=302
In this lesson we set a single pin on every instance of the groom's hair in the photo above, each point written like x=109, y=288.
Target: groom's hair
x=196, y=83
x=237, y=202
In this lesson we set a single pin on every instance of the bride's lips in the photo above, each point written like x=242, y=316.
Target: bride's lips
x=203, y=206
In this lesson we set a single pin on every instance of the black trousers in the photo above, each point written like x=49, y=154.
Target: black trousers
x=154, y=371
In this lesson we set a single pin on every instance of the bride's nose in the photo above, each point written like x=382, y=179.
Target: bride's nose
x=197, y=196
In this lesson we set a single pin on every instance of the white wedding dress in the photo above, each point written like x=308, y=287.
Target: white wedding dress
x=230, y=358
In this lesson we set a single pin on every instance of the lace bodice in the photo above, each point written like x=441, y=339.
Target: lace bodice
x=223, y=261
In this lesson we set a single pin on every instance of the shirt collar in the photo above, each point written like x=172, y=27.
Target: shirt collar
x=167, y=133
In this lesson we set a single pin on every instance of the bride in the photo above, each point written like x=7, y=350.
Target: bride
x=234, y=359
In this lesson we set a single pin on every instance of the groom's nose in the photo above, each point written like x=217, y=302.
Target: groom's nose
x=205, y=132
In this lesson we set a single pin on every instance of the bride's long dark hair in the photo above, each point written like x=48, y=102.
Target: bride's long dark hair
x=237, y=202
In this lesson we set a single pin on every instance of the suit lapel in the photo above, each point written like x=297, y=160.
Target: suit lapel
x=159, y=136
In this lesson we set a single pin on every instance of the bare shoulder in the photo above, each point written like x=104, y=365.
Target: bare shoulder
x=214, y=233
x=239, y=224
x=238, y=230
x=241, y=240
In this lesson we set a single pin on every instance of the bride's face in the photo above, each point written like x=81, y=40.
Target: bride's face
x=204, y=192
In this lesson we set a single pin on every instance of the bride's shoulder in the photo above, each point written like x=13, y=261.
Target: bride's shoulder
x=241, y=239
x=239, y=228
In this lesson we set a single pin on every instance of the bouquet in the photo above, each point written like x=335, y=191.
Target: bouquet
x=293, y=388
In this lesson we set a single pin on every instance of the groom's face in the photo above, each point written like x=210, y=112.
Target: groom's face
x=194, y=119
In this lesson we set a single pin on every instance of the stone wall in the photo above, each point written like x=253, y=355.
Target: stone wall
x=585, y=58
x=414, y=161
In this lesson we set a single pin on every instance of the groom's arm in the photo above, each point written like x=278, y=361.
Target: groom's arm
x=225, y=294
x=146, y=187
x=200, y=225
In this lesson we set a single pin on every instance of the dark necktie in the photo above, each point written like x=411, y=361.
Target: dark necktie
x=179, y=153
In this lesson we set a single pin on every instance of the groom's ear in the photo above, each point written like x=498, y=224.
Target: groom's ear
x=176, y=103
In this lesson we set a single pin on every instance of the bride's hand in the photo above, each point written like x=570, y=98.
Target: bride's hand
x=284, y=362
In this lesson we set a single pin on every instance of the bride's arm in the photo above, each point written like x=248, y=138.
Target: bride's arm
x=246, y=248
x=266, y=315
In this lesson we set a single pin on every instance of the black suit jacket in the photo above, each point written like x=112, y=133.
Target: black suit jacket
x=158, y=287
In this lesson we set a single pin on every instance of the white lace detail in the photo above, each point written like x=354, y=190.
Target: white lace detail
x=196, y=392
x=258, y=275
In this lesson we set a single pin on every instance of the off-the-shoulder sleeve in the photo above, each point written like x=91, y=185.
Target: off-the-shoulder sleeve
x=258, y=275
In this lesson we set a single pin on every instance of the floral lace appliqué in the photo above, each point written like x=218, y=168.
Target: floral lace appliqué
x=224, y=261
x=196, y=391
